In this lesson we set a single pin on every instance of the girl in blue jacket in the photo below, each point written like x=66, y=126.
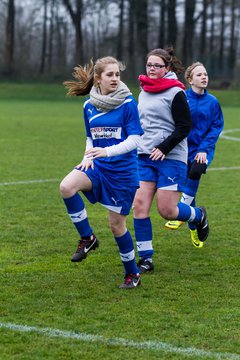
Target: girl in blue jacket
x=207, y=124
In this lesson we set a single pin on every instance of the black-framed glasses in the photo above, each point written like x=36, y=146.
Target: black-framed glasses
x=155, y=66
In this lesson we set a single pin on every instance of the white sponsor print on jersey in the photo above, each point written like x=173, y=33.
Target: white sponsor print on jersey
x=106, y=132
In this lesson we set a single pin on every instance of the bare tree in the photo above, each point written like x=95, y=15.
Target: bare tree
x=189, y=29
x=51, y=32
x=40, y=34
x=221, y=30
x=141, y=20
x=61, y=41
x=162, y=32
x=233, y=37
x=211, y=52
x=172, y=23
x=203, y=34
x=138, y=36
x=120, y=32
x=44, y=39
x=131, y=41
x=212, y=19
x=76, y=17
x=9, y=42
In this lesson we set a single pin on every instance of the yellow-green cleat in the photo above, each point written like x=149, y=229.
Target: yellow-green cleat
x=195, y=240
x=173, y=224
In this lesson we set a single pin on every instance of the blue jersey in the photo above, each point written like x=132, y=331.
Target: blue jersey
x=111, y=128
x=207, y=124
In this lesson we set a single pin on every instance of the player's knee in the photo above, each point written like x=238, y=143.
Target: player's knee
x=65, y=189
x=167, y=212
x=115, y=226
x=139, y=208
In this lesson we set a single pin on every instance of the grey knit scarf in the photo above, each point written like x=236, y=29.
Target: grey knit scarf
x=109, y=102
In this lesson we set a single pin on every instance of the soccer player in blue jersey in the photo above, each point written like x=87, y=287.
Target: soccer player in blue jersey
x=207, y=124
x=108, y=173
x=166, y=120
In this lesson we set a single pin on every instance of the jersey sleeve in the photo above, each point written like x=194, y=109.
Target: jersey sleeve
x=86, y=121
x=214, y=130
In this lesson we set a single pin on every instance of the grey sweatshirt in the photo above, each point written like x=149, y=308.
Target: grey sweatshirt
x=166, y=121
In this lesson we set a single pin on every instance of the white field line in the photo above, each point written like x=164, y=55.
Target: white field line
x=224, y=168
x=229, y=138
x=37, y=181
x=26, y=182
x=146, y=345
x=226, y=137
x=222, y=135
x=150, y=345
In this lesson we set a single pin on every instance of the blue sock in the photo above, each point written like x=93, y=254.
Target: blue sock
x=191, y=187
x=188, y=213
x=193, y=203
x=192, y=226
x=77, y=213
x=143, y=235
x=127, y=253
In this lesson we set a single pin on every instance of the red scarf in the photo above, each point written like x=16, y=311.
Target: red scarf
x=158, y=85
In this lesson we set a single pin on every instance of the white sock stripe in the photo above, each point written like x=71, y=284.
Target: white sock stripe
x=186, y=199
x=144, y=245
x=79, y=216
x=193, y=214
x=128, y=256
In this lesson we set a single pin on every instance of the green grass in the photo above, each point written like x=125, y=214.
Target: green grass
x=56, y=92
x=190, y=301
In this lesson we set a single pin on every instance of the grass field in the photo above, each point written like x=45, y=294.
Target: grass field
x=50, y=308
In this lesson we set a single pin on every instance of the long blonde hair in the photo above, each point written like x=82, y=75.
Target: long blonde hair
x=88, y=74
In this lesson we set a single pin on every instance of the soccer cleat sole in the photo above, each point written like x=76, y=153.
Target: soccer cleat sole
x=173, y=224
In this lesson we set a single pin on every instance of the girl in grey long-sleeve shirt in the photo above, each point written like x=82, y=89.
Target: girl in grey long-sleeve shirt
x=166, y=121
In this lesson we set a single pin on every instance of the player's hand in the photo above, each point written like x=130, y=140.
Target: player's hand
x=96, y=152
x=156, y=154
x=85, y=164
x=201, y=157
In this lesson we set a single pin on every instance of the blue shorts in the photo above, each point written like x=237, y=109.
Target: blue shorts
x=113, y=198
x=167, y=174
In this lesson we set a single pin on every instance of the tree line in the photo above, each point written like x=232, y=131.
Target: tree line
x=47, y=38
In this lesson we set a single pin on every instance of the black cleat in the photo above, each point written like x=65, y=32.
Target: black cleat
x=131, y=281
x=85, y=245
x=145, y=265
x=202, y=226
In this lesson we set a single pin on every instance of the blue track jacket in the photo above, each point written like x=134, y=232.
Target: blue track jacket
x=207, y=124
